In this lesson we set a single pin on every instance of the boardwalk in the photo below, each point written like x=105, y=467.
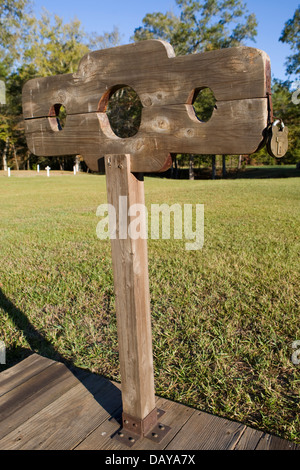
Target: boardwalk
x=43, y=405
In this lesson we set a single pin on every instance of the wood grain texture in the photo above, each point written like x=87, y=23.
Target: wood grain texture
x=23, y=371
x=269, y=442
x=152, y=70
x=32, y=396
x=131, y=285
x=249, y=439
x=238, y=77
x=204, y=431
x=163, y=130
x=58, y=426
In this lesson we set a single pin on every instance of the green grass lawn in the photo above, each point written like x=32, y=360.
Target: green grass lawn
x=224, y=317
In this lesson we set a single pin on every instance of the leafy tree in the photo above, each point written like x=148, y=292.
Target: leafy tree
x=53, y=47
x=12, y=18
x=12, y=13
x=291, y=36
x=201, y=26
x=105, y=40
x=47, y=46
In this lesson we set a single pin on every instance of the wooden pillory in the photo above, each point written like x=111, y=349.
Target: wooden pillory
x=240, y=79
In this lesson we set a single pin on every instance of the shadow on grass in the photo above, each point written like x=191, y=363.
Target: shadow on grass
x=94, y=383
x=267, y=172
x=38, y=343
x=254, y=172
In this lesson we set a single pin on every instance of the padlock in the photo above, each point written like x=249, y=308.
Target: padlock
x=277, y=140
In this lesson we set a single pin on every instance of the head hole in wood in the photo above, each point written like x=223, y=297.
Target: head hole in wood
x=204, y=103
x=57, y=117
x=123, y=109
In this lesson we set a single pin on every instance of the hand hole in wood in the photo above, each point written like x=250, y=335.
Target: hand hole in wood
x=57, y=117
x=204, y=103
x=123, y=109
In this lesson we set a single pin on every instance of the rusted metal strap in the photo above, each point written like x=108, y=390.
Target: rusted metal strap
x=134, y=429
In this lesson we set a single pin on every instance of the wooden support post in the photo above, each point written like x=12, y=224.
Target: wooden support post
x=131, y=284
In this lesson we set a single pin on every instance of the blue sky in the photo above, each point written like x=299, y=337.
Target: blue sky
x=103, y=15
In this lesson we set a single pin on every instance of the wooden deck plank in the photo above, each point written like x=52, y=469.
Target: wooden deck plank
x=269, y=442
x=249, y=439
x=205, y=432
x=59, y=426
x=107, y=393
x=32, y=396
x=22, y=371
x=51, y=408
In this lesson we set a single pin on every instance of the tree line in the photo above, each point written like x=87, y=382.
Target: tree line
x=45, y=46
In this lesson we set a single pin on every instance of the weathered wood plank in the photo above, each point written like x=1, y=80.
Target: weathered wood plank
x=153, y=71
x=269, y=442
x=30, y=397
x=61, y=425
x=18, y=374
x=249, y=439
x=83, y=134
x=106, y=392
x=207, y=432
x=235, y=127
x=131, y=285
x=239, y=78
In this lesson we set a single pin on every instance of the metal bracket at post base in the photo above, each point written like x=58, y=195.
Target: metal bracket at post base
x=135, y=429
